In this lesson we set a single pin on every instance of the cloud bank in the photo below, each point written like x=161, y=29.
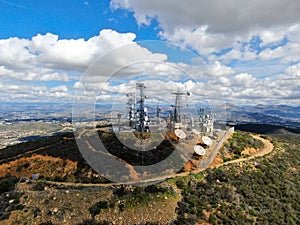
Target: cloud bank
x=252, y=49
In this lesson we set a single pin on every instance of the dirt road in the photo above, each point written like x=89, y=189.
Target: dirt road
x=268, y=148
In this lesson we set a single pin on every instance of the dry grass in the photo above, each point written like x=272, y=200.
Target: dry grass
x=46, y=166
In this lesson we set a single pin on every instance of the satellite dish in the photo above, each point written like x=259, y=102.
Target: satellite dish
x=180, y=133
x=195, y=131
x=199, y=150
x=206, y=140
x=145, y=109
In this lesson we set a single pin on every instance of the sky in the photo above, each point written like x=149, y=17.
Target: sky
x=243, y=53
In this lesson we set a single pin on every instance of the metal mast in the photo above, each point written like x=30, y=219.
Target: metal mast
x=178, y=105
x=141, y=117
x=158, y=109
x=131, y=109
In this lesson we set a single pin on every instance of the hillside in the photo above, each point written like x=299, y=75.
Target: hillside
x=58, y=158
x=261, y=190
x=54, y=158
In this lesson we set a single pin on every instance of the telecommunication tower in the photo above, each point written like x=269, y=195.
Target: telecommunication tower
x=131, y=109
x=141, y=112
x=178, y=105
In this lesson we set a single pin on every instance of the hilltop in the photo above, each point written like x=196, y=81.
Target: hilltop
x=218, y=195
x=57, y=158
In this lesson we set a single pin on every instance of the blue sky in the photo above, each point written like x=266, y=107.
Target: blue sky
x=243, y=50
x=69, y=19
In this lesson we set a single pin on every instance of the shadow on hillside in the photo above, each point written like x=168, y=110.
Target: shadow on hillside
x=266, y=129
x=61, y=146
x=64, y=146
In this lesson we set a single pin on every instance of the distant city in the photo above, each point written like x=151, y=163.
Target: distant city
x=21, y=122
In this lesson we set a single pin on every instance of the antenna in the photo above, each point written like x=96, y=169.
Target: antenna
x=206, y=140
x=158, y=110
x=178, y=105
x=180, y=133
x=187, y=94
x=141, y=118
x=199, y=150
x=131, y=107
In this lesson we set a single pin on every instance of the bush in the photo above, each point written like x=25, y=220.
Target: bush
x=7, y=183
x=96, y=208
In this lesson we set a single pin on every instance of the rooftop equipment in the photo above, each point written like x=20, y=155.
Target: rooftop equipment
x=199, y=150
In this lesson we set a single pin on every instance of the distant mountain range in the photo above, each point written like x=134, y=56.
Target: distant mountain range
x=282, y=115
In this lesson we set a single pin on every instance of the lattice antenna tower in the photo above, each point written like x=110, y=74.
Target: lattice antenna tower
x=141, y=115
x=131, y=108
x=178, y=105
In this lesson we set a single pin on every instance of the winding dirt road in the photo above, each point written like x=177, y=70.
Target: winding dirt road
x=268, y=148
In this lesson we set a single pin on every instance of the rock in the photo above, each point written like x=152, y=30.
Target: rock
x=55, y=210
